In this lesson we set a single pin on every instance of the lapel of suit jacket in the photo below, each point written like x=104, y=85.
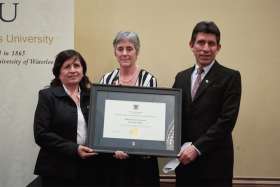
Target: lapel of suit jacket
x=84, y=98
x=207, y=81
x=188, y=84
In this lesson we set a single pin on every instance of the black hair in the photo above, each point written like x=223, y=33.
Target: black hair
x=59, y=61
x=208, y=27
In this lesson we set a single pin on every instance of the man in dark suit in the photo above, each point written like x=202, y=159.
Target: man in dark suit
x=211, y=99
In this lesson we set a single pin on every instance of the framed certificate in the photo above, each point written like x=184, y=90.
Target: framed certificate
x=136, y=120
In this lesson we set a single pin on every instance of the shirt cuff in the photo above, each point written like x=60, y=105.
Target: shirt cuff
x=199, y=153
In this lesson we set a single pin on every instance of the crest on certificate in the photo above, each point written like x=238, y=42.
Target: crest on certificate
x=135, y=107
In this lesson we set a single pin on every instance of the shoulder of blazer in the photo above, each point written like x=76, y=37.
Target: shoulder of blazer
x=60, y=92
x=185, y=73
x=53, y=91
x=218, y=68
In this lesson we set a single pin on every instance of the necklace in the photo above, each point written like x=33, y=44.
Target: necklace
x=129, y=80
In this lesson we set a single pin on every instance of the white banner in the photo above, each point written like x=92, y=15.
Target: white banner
x=32, y=32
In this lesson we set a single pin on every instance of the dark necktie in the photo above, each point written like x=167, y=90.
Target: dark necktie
x=197, y=82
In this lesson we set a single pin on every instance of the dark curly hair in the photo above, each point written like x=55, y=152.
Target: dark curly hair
x=59, y=61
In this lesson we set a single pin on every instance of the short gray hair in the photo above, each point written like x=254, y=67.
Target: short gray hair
x=130, y=36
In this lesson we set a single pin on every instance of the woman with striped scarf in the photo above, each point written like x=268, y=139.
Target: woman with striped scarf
x=122, y=169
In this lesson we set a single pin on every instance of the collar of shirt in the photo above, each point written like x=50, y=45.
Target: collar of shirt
x=205, y=68
x=195, y=72
x=68, y=93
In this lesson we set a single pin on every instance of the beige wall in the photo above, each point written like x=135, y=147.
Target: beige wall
x=250, y=43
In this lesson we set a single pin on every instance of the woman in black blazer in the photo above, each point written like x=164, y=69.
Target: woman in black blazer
x=60, y=126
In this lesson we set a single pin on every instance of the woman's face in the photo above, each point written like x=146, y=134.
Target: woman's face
x=71, y=72
x=126, y=54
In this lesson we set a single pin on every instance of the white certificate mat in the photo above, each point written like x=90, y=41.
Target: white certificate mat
x=134, y=120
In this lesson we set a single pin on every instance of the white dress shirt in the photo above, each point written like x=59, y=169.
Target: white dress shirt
x=81, y=123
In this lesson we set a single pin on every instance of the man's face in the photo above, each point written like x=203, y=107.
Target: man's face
x=205, y=48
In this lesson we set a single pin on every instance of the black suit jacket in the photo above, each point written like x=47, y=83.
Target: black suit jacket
x=208, y=121
x=55, y=131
